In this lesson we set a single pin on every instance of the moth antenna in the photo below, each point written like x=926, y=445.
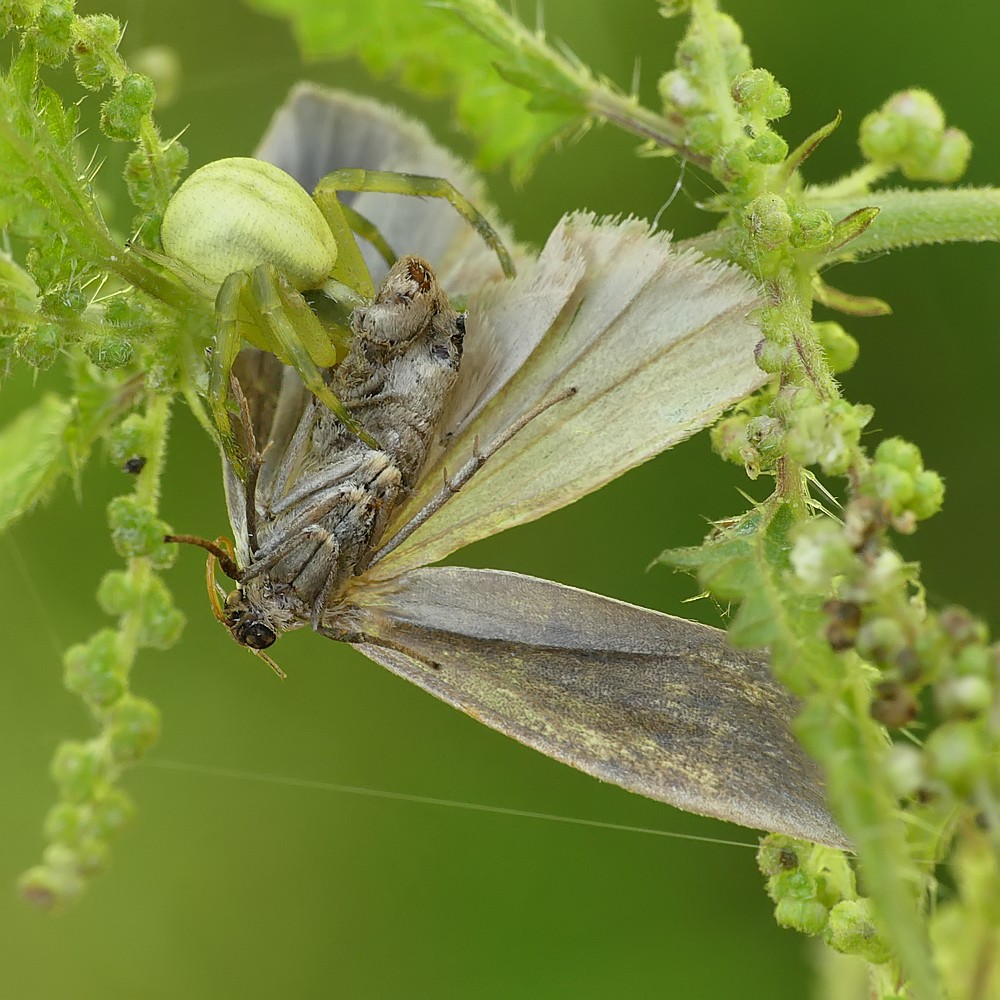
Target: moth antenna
x=221, y=548
x=267, y=659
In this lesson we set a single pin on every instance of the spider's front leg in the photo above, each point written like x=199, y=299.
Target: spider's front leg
x=388, y=182
x=262, y=308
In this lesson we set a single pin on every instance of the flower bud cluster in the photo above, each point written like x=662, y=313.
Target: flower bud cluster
x=738, y=140
x=943, y=657
x=814, y=892
x=909, y=133
x=91, y=808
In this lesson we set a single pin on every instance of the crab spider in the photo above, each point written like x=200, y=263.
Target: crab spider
x=246, y=233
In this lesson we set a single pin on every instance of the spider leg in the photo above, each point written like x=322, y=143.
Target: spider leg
x=230, y=331
x=387, y=182
x=293, y=333
x=369, y=232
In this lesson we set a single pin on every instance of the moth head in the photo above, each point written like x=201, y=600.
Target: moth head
x=248, y=624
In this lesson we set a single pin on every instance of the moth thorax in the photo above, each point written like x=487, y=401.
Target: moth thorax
x=247, y=624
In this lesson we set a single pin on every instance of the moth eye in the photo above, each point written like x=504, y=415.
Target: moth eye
x=258, y=636
x=441, y=352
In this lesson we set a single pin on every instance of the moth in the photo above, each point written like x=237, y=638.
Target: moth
x=607, y=348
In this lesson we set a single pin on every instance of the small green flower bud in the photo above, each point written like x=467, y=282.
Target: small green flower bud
x=78, y=769
x=115, y=594
x=48, y=888
x=901, y=453
x=963, y=697
x=928, y=494
x=109, y=351
x=64, y=824
x=135, y=531
x=881, y=639
x=768, y=221
x=840, y=348
x=904, y=770
x=678, y=93
x=64, y=302
x=40, y=346
x=946, y=163
x=768, y=147
x=729, y=438
x=766, y=435
x=851, y=930
x=890, y=484
x=110, y=811
x=772, y=357
x=975, y=660
x=97, y=38
x=812, y=228
x=162, y=623
x=957, y=755
x=827, y=434
x=778, y=853
x=808, y=916
x=728, y=31
x=130, y=436
x=732, y=161
x=144, y=178
x=53, y=32
x=94, y=670
x=758, y=93
x=704, y=133
x=122, y=115
x=690, y=54
x=92, y=857
x=133, y=727
x=819, y=553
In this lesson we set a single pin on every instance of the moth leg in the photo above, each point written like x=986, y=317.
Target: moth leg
x=452, y=486
x=387, y=182
x=329, y=542
x=311, y=487
x=293, y=333
x=276, y=547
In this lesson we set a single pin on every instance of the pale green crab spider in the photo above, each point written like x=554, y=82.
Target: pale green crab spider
x=245, y=233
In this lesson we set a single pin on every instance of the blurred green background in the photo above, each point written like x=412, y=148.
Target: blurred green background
x=228, y=886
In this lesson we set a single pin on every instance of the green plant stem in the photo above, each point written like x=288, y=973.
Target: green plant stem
x=914, y=218
x=147, y=493
x=907, y=218
x=714, y=77
x=869, y=814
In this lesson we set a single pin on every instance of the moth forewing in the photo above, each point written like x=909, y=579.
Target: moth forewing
x=656, y=344
x=655, y=704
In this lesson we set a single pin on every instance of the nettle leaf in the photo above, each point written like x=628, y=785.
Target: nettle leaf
x=32, y=456
x=487, y=64
x=746, y=562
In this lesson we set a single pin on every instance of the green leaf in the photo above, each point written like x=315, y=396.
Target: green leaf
x=487, y=64
x=32, y=456
x=746, y=562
